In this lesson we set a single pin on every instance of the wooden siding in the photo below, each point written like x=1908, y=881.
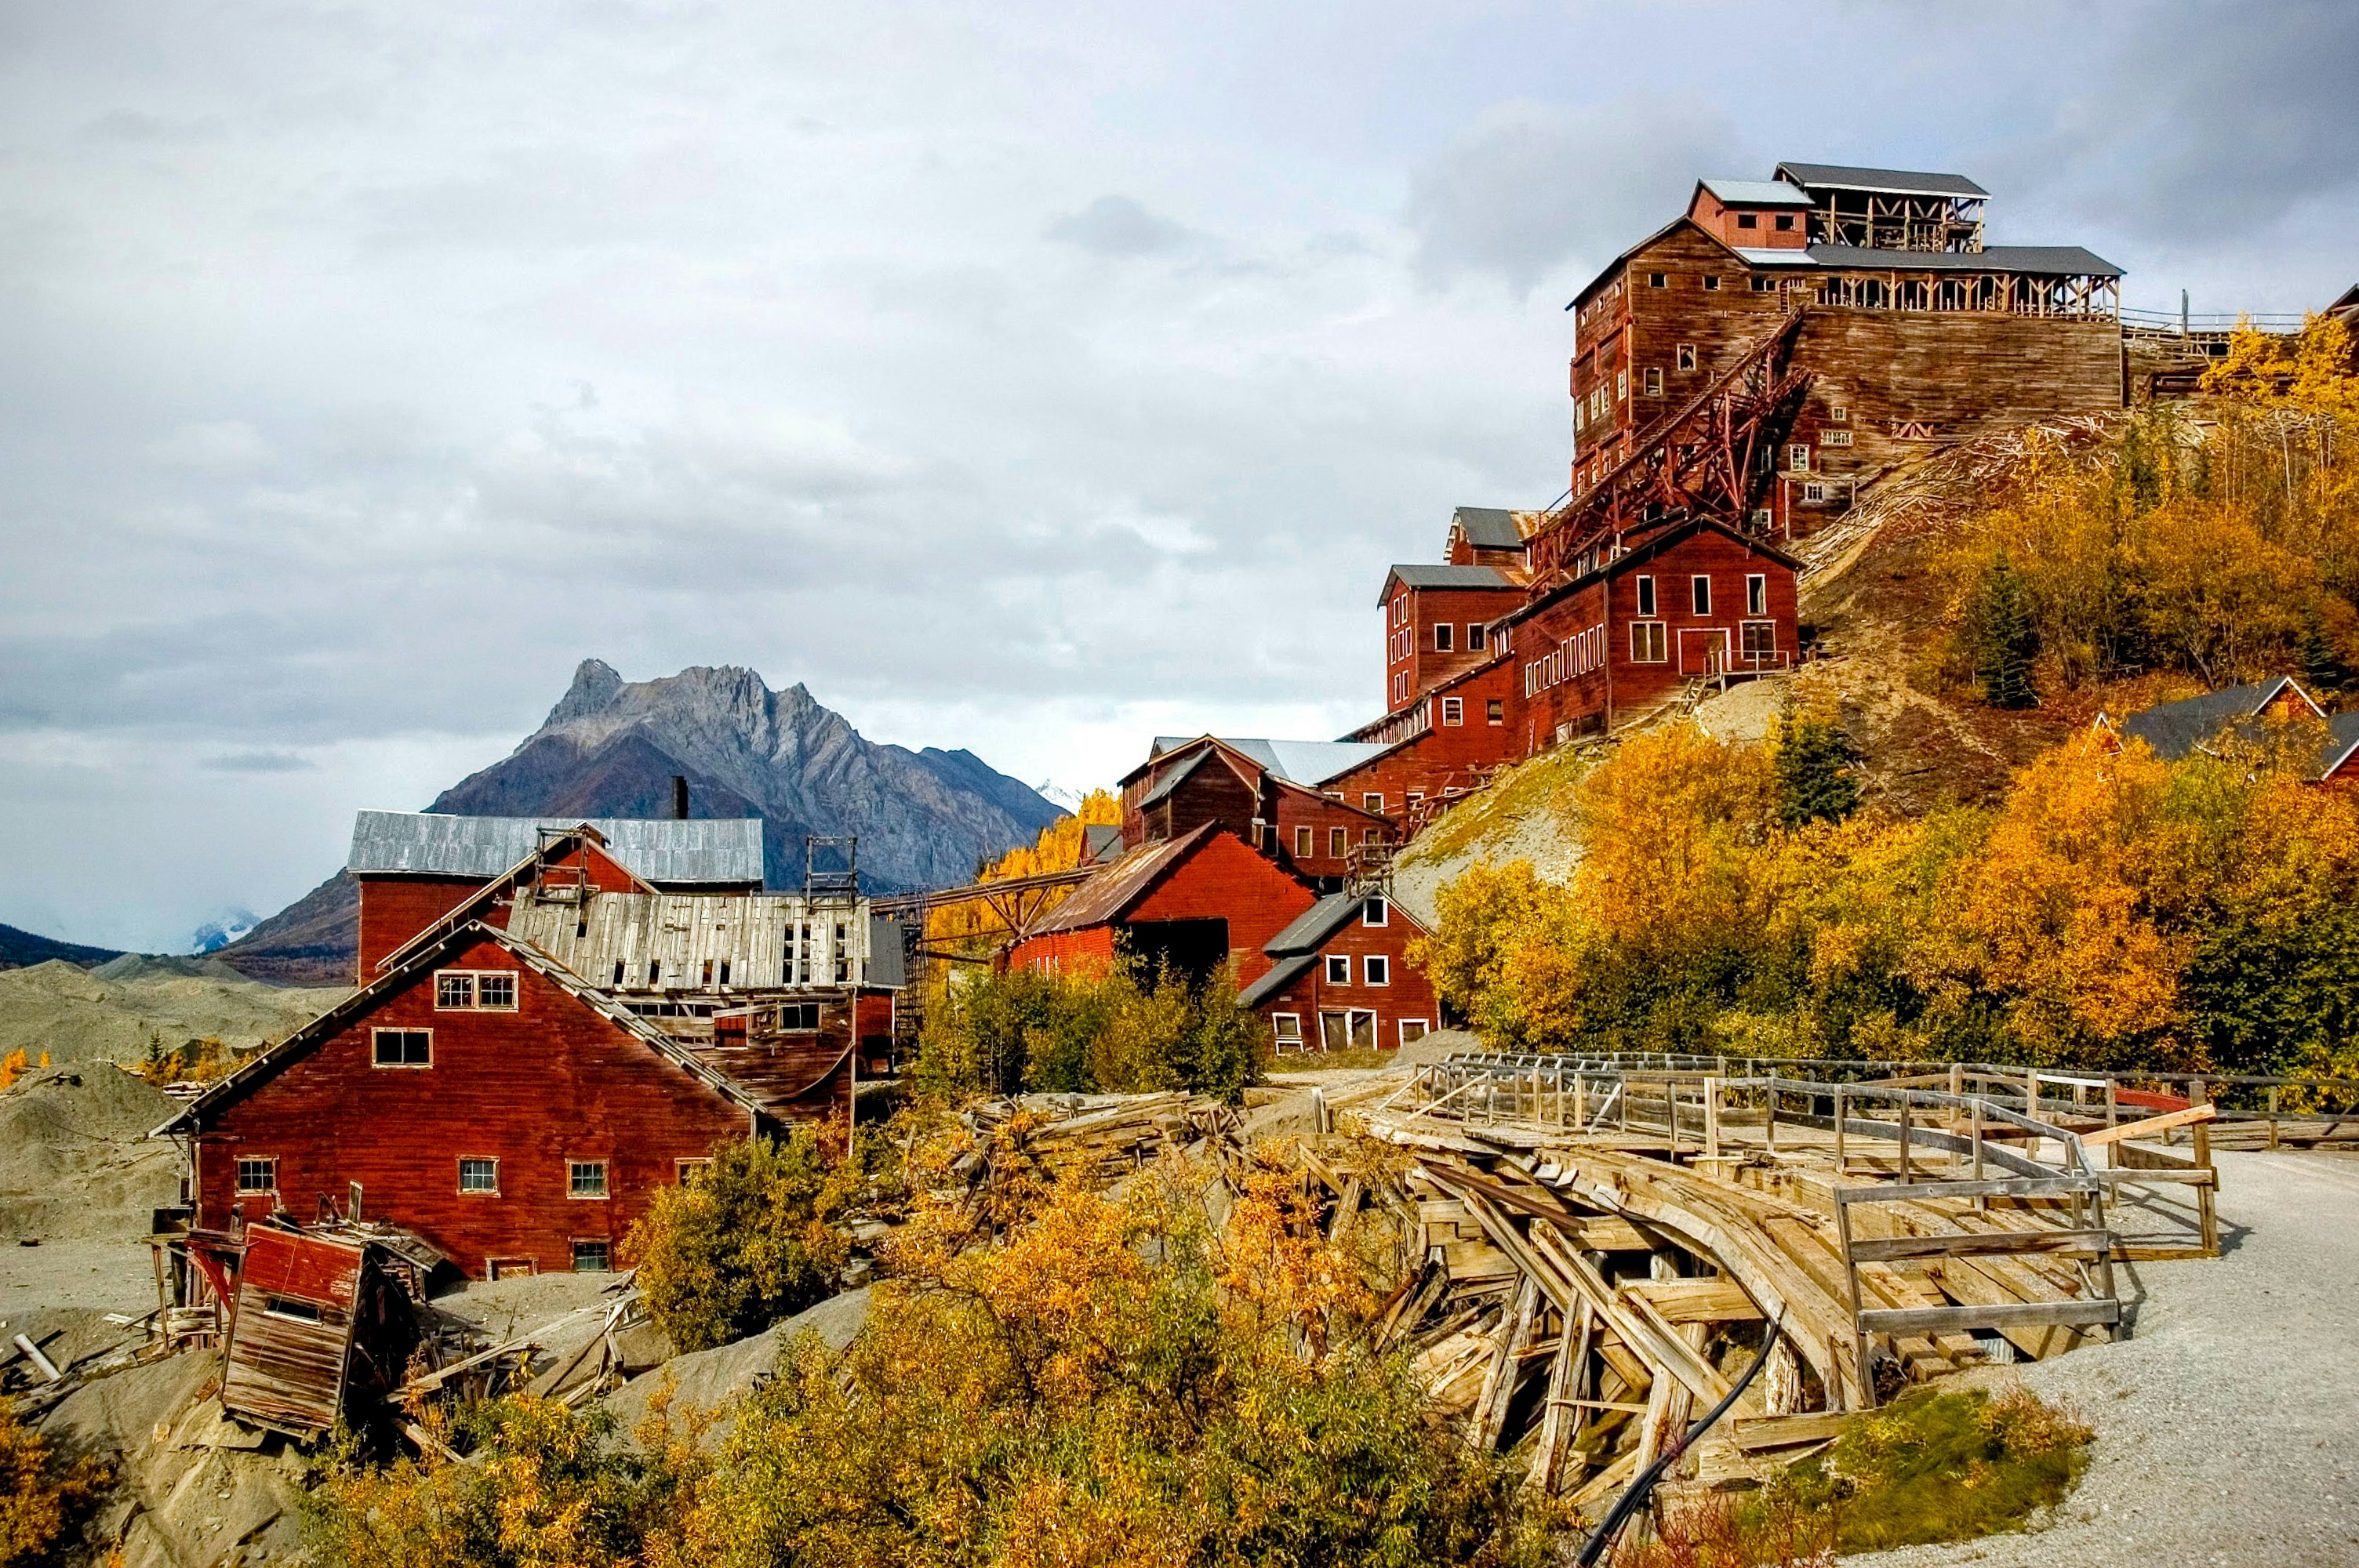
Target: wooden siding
x=754, y=939
x=1223, y=880
x=1447, y=756
x=1409, y=994
x=1412, y=663
x=533, y=1088
x=394, y=909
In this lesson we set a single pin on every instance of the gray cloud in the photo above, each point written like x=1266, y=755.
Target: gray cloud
x=1119, y=226
x=1532, y=187
x=261, y=762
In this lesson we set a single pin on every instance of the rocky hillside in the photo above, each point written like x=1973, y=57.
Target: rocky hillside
x=20, y=948
x=611, y=747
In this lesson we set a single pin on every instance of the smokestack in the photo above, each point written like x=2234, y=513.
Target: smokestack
x=678, y=798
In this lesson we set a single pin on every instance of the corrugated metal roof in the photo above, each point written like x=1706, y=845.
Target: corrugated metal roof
x=1489, y=527
x=1282, y=975
x=759, y=941
x=2177, y=728
x=1311, y=928
x=1885, y=181
x=705, y=849
x=1105, y=897
x=1171, y=780
x=1100, y=841
x=1769, y=256
x=1756, y=193
x=1416, y=574
x=2049, y=260
x=1305, y=762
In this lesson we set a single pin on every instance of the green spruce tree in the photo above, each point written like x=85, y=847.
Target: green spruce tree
x=1816, y=769
x=2322, y=669
x=2005, y=640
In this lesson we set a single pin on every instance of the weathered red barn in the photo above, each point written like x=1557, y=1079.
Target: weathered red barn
x=1282, y=797
x=1696, y=598
x=1339, y=978
x=478, y=1094
x=417, y=869
x=1194, y=903
x=1437, y=624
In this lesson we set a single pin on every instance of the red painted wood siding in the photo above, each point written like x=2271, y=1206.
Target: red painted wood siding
x=1412, y=663
x=395, y=908
x=1086, y=951
x=1446, y=755
x=1224, y=880
x=549, y=1083
x=1409, y=994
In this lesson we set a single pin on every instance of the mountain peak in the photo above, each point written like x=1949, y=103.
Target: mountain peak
x=595, y=686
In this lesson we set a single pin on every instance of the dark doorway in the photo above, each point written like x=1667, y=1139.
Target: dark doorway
x=1194, y=948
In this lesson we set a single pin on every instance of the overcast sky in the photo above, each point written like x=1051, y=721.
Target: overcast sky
x=1026, y=378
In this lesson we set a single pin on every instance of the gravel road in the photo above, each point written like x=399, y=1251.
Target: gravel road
x=2228, y=1425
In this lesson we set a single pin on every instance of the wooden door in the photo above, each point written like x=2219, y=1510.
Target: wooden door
x=1703, y=650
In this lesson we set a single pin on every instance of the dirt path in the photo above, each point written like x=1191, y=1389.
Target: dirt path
x=2228, y=1425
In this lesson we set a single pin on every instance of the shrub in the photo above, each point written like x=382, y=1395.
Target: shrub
x=1122, y=1030
x=42, y=1500
x=752, y=1238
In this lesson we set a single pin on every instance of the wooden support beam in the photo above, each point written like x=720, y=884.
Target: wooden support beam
x=2149, y=1127
x=2026, y=1314
x=1968, y=1244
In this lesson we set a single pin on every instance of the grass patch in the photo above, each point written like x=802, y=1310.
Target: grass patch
x=1928, y=1467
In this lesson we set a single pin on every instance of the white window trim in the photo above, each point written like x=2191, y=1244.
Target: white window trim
x=375, y=1033
x=1280, y=1035
x=1373, y=801
x=1338, y=843
x=1642, y=595
x=467, y=1192
x=1306, y=842
x=1327, y=969
x=1453, y=710
x=1756, y=594
x=1401, y=1030
x=606, y=1181
x=1445, y=632
x=474, y=990
x=1663, y=655
x=1373, y=965
x=1384, y=910
x=573, y=1246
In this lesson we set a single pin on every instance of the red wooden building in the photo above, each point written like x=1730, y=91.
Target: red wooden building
x=1437, y=624
x=1339, y=978
x=1194, y=903
x=1292, y=800
x=477, y=1094
x=416, y=869
x=1490, y=536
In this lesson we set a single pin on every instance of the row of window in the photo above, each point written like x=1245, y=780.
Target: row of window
x=478, y=1177
x=1351, y=1028
x=1756, y=594
x=1339, y=840
x=1444, y=634
x=1375, y=969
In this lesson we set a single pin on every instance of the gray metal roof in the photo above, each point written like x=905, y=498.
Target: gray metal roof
x=2175, y=730
x=1282, y=975
x=1306, y=762
x=726, y=849
x=2051, y=260
x=1171, y=780
x=1883, y=181
x=1756, y=193
x=1100, y=841
x=1419, y=575
x=1773, y=255
x=1308, y=931
x=1488, y=527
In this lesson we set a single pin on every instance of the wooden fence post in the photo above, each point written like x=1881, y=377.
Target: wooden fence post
x=1711, y=1117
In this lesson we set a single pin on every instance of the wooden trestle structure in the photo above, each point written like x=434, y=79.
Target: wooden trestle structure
x=1706, y=458
x=1600, y=1245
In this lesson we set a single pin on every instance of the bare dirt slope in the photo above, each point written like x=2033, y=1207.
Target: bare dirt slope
x=109, y=1014
x=2225, y=1425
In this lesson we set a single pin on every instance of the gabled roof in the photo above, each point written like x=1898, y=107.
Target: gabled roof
x=1100, y=841
x=1756, y=192
x=1282, y=974
x=1490, y=527
x=1106, y=897
x=2341, y=740
x=2177, y=728
x=260, y=1068
x=1173, y=779
x=1883, y=181
x=1648, y=549
x=2045, y=260
x=430, y=843
x=1310, y=930
x=1416, y=574
x=475, y=905
x=1305, y=764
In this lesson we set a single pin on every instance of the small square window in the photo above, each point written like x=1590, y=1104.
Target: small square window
x=479, y=1176
x=1647, y=642
x=1764, y=285
x=403, y=1047
x=1371, y=835
x=1838, y=415
x=1699, y=594
x=1494, y=711
x=1453, y=710
x=1339, y=969
x=497, y=991
x=1798, y=458
x=1785, y=222
x=1686, y=356
x=1759, y=641
x=452, y=991
x=1287, y=1027
x=1339, y=842
x=1657, y=280
x=586, y=1178
x=1756, y=596
x=1302, y=843
x=257, y=1176
x=1646, y=596
x=590, y=1258
x=1412, y=1030
x=1748, y=220
x=1375, y=803
x=1441, y=636
x=1814, y=493
x=1376, y=911
x=1377, y=969
x=1478, y=636
x=1712, y=284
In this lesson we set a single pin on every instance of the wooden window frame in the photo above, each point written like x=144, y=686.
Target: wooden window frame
x=1834, y=437
x=467, y=1192
x=1785, y=222
x=1372, y=801
x=1711, y=283
x=1453, y=710
x=1337, y=971
x=1699, y=593
x=376, y=1051
x=1654, y=381
x=1338, y=843
x=574, y=1169
x=1764, y=285
x=1745, y=636
x=1642, y=591
x=606, y=1250
x=1748, y=220
x=1305, y=838
x=237, y=1174
x=1478, y=637
x=1494, y=711
x=473, y=979
x=1659, y=280
x=1814, y=493
x=1658, y=639
x=1444, y=634
x=1375, y=970
x=1798, y=456
x=1686, y=356
x=1756, y=594
x=1376, y=911
x=1277, y=1033
x=1401, y=1030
